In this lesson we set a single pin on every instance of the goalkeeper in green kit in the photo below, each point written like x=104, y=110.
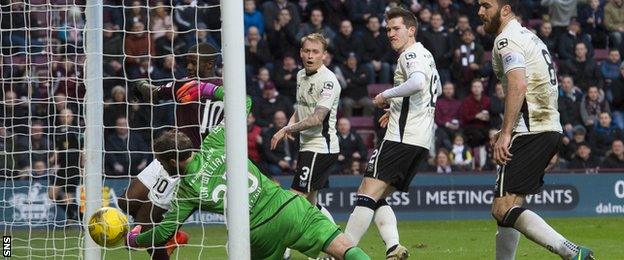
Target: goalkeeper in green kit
x=279, y=219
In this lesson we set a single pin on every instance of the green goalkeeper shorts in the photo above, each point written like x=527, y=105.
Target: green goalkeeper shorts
x=298, y=225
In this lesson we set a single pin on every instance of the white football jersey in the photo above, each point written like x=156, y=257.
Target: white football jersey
x=513, y=45
x=318, y=89
x=411, y=118
x=160, y=183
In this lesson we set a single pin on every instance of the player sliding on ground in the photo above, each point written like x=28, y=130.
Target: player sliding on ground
x=530, y=134
x=408, y=138
x=278, y=218
x=149, y=195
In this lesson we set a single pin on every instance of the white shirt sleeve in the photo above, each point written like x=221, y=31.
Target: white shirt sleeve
x=415, y=83
x=411, y=62
x=329, y=93
x=511, y=54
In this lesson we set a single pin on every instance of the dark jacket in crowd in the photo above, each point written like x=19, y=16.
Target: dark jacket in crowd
x=356, y=82
x=439, y=44
x=601, y=137
x=612, y=162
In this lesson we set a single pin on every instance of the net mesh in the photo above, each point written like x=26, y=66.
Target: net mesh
x=43, y=108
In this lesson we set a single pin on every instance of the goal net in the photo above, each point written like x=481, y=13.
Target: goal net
x=42, y=163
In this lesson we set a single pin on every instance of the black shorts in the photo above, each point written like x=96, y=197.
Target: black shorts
x=524, y=173
x=313, y=170
x=395, y=163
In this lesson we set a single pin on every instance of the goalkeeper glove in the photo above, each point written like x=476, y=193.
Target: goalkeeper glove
x=132, y=235
x=143, y=90
x=193, y=90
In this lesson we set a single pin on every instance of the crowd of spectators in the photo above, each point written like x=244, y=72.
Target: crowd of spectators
x=43, y=70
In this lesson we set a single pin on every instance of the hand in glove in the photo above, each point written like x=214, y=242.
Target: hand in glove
x=193, y=91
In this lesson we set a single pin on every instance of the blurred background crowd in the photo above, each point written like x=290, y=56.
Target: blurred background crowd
x=42, y=125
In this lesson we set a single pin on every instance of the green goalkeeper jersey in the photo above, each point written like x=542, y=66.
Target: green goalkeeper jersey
x=203, y=187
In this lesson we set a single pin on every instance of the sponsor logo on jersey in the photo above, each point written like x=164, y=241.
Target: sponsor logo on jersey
x=410, y=55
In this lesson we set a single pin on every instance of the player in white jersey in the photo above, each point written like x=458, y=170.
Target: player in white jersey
x=409, y=136
x=318, y=93
x=530, y=134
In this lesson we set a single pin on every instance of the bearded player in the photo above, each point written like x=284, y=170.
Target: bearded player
x=530, y=133
x=149, y=195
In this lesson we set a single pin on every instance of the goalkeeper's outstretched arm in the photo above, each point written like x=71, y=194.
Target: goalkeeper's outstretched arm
x=185, y=203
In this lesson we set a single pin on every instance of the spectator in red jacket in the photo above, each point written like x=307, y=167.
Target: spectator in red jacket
x=474, y=117
x=254, y=139
x=137, y=43
x=447, y=115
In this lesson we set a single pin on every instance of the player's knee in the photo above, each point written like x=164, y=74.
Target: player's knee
x=366, y=201
x=508, y=217
x=372, y=188
x=380, y=203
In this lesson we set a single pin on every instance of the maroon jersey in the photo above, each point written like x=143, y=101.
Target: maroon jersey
x=196, y=118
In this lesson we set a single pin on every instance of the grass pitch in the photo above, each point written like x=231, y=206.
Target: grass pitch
x=467, y=239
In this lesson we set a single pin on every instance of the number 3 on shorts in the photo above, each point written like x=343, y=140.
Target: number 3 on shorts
x=305, y=172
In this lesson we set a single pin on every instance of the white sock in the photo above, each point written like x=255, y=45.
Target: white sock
x=326, y=213
x=536, y=229
x=387, y=225
x=358, y=223
x=506, y=243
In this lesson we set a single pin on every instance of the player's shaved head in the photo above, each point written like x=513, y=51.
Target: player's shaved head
x=201, y=60
x=172, y=148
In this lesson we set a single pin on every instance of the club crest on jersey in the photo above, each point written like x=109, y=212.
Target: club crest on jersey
x=502, y=43
x=328, y=86
x=410, y=55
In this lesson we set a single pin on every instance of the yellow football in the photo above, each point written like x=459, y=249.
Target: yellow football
x=108, y=226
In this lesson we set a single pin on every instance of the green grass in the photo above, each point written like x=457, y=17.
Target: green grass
x=470, y=239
